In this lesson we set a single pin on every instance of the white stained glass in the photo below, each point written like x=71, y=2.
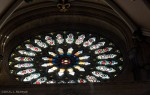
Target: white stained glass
x=80, y=39
x=47, y=59
x=61, y=51
x=28, y=53
x=26, y=71
x=70, y=50
x=91, y=78
x=52, y=69
x=52, y=53
x=25, y=65
x=40, y=80
x=61, y=82
x=106, y=56
x=59, y=39
x=103, y=50
x=47, y=64
x=61, y=72
x=120, y=67
x=71, y=81
x=79, y=68
x=104, y=68
x=51, y=82
x=84, y=63
x=40, y=43
x=70, y=38
x=105, y=62
x=84, y=57
x=96, y=46
x=31, y=47
x=49, y=40
x=78, y=53
x=71, y=72
x=81, y=80
x=31, y=77
x=89, y=42
x=100, y=74
x=25, y=59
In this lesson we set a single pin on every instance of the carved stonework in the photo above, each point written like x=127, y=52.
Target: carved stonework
x=63, y=5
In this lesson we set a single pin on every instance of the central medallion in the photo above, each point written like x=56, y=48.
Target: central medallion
x=65, y=61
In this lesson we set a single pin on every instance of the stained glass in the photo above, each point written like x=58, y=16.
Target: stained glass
x=79, y=68
x=105, y=62
x=52, y=53
x=70, y=50
x=99, y=51
x=71, y=81
x=104, y=68
x=51, y=82
x=52, y=69
x=24, y=65
x=46, y=58
x=96, y=46
x=89, y=42
x=59, y=38
x=47, y=64
x=49, y=40
x=78, y=53
x=100, y=74
x=25, y=59
x=40, y=80
x=28, y=53
x=106, y=56
x=81, y=80
x=40, y=43
x=80, y=39
x=66, y=58
x=60, y=50
x=70, y=39
x=71, y=72
x=31, y=77
x=61, y=82
x=61, y=72
x=26, y=71
x=84, y=63
x=91, y=78
x=84, y=57
x=31, y=47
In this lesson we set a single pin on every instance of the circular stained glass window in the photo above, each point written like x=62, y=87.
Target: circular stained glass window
x=65, y=57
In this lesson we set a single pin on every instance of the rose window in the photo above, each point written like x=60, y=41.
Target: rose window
x=65, y=57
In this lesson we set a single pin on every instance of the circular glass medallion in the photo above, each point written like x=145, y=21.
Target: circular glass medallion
x=65, y=57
